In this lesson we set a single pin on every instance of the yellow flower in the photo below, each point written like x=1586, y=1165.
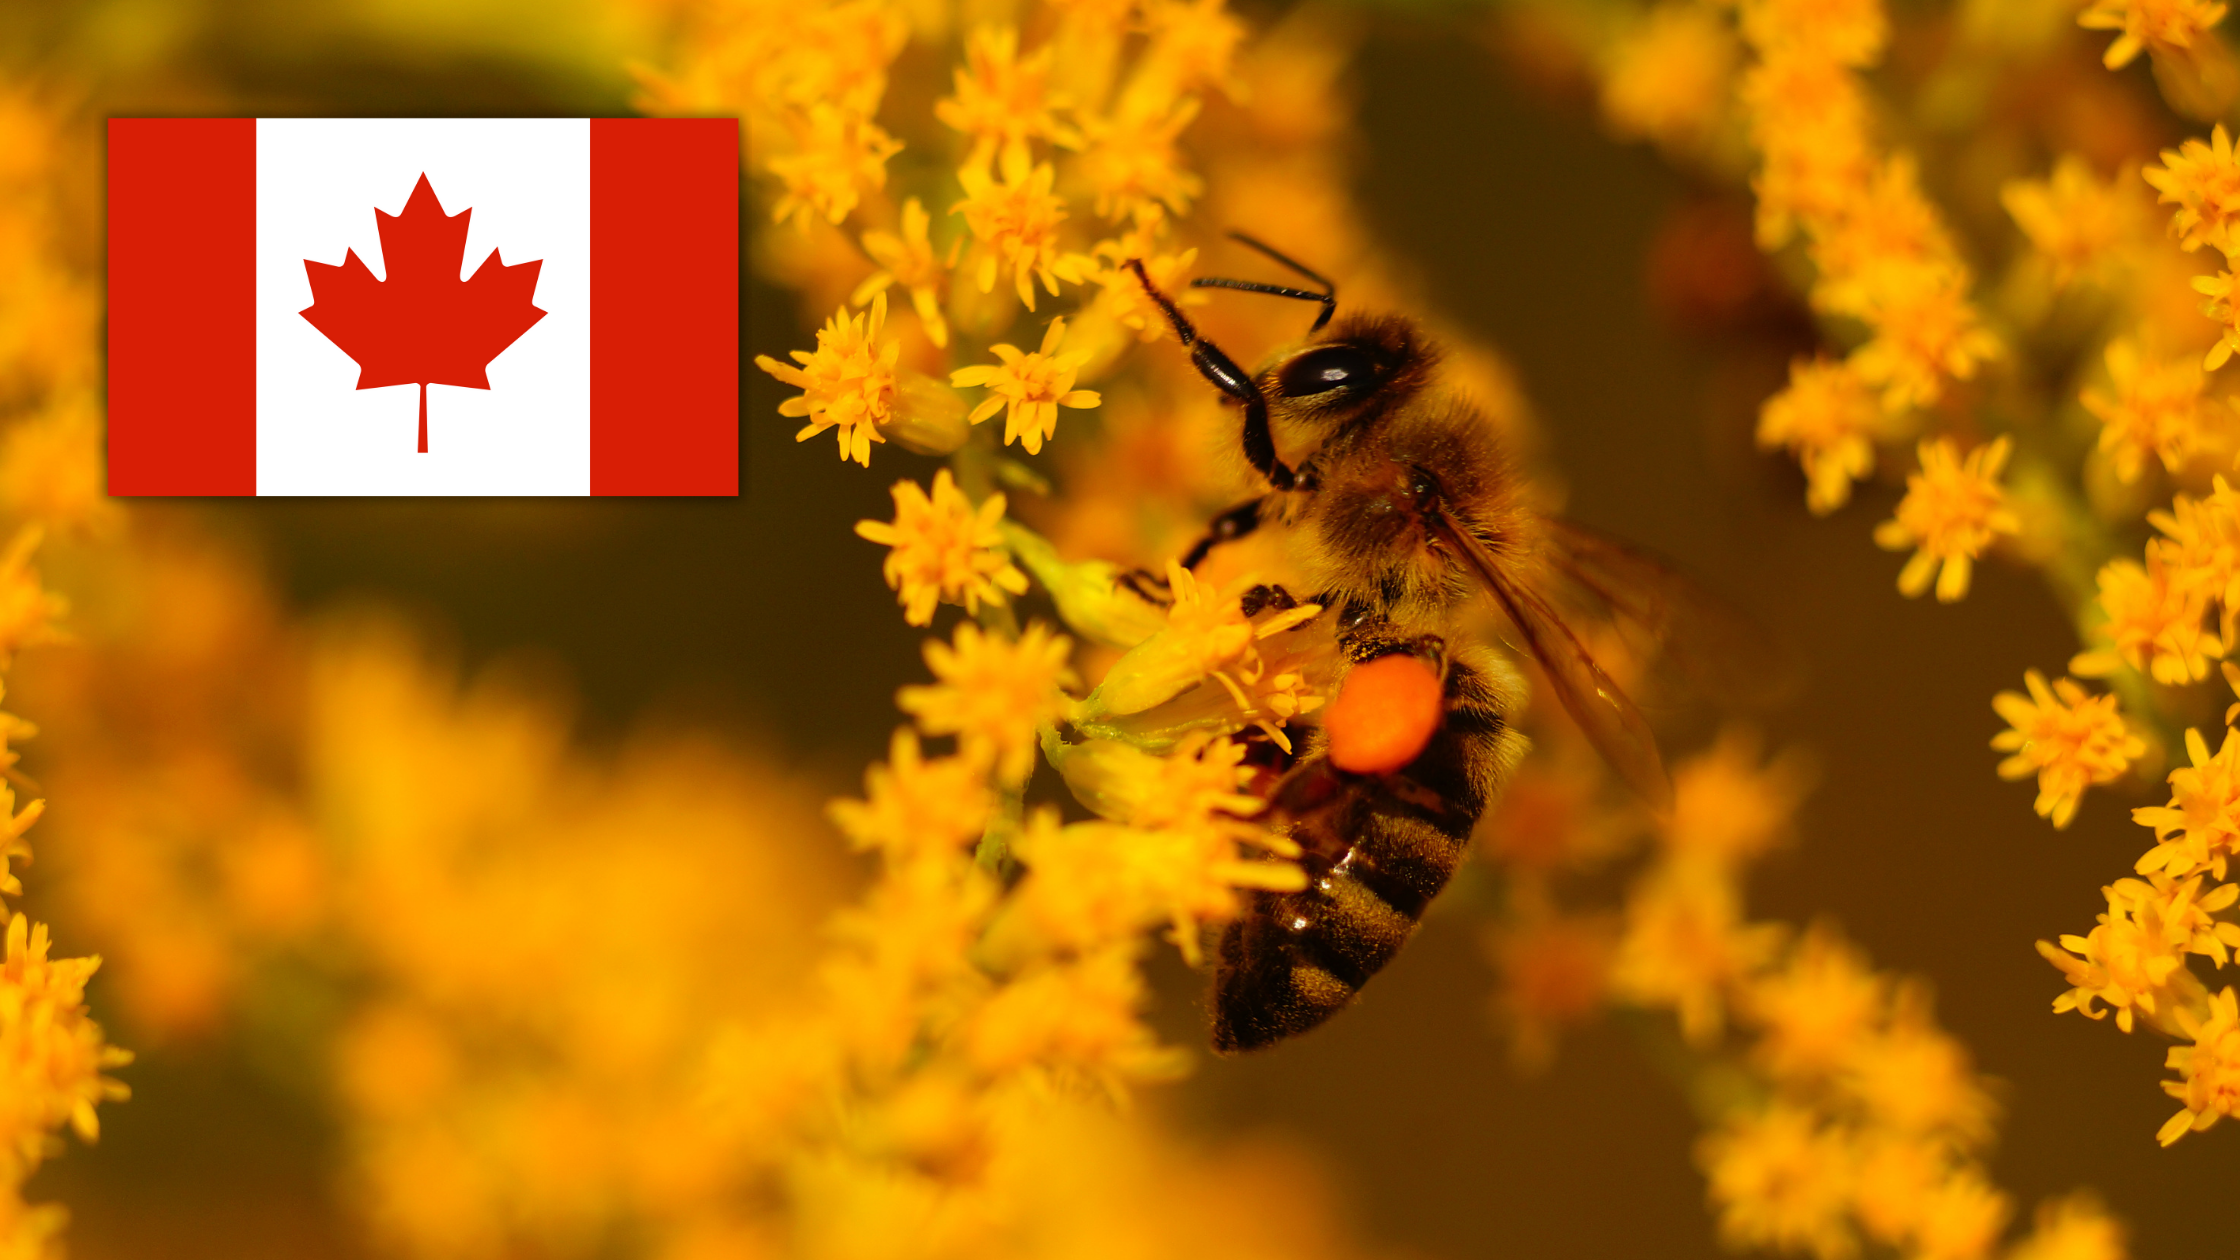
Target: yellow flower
x=51, y=467
x=905, y=948
x=1925, y=331
x=28, y=611
x=1952, y=510
x=1811, y=126
x=1130, y=161
x=908, y=260
x=1886, y=232
x=838, y=155
x=1122, y=312
x=13, y=728
x=1193, y=43
x=61, y=982
x=1208, y=636
x=2156, y=409
x=944, y=549
x=1091, y=596
x=2203, y=181
x=2161, y=25
x=797, y=54
x=14, y=822
x=2075, y=1227
x=1817, y=1009
x=51, y=1056
x=847, y=382
x=1002, y=100
x=1269, y=700
x=2201, y=546
x=2081, y=225
x=1670, y=77
x=1848, y=33
x=2221, y=308
x=1897, y=1177
x=1799, y=189
x=994, y=694
x=1782, y=1180
x=2200, y=828
x=2127, y=962
x=1826, y=417
x=1177, y=857
x=2210, y=1066
x=1029, y=388
x=1960, y=1218
x=2070, y=739
x=1727, y=808
x=917, y=807
x=2186, y=916
x=1015, y=221
x=1914, y=1078
x=1686, y=947
x=1206, y=630
x=2154, y=624
x=1078, y=1019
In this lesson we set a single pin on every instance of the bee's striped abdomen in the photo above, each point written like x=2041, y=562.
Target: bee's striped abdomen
x=1375, y=857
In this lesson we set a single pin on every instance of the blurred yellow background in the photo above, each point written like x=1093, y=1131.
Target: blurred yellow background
x=761, y=624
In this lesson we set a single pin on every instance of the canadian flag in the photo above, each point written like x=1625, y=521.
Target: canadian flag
x=383, y=306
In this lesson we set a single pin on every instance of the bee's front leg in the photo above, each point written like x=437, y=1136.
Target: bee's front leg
x=1262, y=598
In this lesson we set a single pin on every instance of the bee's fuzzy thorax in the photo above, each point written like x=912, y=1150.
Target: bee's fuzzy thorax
x=1384, y=490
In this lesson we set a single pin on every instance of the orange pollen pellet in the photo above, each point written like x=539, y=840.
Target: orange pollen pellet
x=1384, y=714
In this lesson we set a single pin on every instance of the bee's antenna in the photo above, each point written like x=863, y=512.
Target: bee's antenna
x=1328, y=297
x=1219, y=368
x=1287, y=260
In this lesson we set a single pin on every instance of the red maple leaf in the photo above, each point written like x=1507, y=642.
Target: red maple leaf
x=423, y=325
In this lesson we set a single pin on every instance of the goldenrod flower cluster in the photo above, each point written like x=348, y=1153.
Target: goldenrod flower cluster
x=1839, y=1116
x=2067, y=737
x=571, y=1001
x=1884, y=258
x=54, y=1059
x=944, y=549
x=1062, y=134
x=557, y=997
x=1000, y=947
x=993, y=969
x=1817, y=1152
x=2000, y=467
x=2135, y=961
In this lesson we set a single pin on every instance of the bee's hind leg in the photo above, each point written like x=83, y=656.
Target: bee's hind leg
x=1365, y=637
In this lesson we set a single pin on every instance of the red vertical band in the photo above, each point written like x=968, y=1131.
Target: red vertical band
x=664, y=306
x=182, y=306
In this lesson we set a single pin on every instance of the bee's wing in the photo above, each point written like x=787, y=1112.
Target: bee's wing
x=1609, y=720
x=1723, y=652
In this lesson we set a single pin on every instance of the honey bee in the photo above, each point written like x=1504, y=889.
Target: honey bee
x=1401, y=511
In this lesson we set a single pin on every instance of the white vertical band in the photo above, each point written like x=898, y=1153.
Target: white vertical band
x=528, y=182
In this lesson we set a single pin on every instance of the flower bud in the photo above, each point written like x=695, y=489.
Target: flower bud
x=1091, y=599
x=928, y=416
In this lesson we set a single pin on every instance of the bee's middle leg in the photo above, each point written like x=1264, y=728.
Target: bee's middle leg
x=1227, y=527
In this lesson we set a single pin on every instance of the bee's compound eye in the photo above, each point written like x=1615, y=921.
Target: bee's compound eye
x=1320, y=371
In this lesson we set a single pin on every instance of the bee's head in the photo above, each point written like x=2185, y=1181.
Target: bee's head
x=1346, y=377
